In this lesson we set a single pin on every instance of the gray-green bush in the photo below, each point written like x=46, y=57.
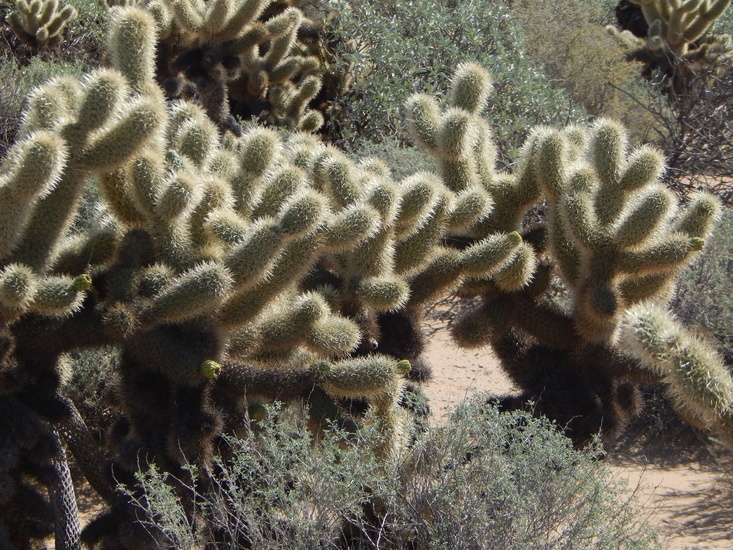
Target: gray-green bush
x=485, y=480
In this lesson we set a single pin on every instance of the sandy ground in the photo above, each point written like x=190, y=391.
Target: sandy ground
x=674, y=475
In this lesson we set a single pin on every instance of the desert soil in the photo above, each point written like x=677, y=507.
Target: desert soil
x=674, y=473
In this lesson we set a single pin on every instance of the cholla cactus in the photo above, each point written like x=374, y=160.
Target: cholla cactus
x=40, y=23
x=679, y=42
x=238, y=56
x=613, y=234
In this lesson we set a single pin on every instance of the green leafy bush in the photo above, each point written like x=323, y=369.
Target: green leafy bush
x=485, y=480
x=587, y=63
x=394, y=49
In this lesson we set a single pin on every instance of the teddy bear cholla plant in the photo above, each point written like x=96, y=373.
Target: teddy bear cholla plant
x=612, y=233
x=159, y=275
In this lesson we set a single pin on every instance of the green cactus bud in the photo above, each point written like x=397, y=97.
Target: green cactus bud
x=484, y=258
x=210, y=369
x=31, y=171
x=645, y=219
x=359, y=377
x=17, y=286
x=55, y=296
x=424, y=121
x=302, y=213
x=132, y=45
x=333, y=336
x=470, y=88
x=197, y=291
x=138, y=123
x=82, y=282
x=350, y=227
x=457, y=135
x=385, y=293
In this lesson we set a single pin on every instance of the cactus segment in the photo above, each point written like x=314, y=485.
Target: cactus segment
x=193, y=293
x=350, y=227
x=333, y=336
x=359, y=377
x=17, y=286
x=383, y=293
x=470, y=88
x=30, y=173
x=486, y=257
x=132, y=47
x=55, y=296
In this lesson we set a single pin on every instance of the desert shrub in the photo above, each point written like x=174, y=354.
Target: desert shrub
x=486, y=480
x=394, y=49
x=703, y=297
x=587, y=63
